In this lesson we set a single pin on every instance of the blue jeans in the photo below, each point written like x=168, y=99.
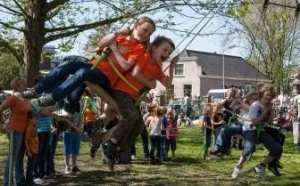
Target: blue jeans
x=250, y=138
x=163, y=140
x=18, y=152
x=225, y=133
x=73, y=87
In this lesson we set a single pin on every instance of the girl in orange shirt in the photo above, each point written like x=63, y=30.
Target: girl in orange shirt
x=126, y=50
x=17, y=124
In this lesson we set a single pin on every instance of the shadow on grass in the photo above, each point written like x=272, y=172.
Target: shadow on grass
x=98, y=177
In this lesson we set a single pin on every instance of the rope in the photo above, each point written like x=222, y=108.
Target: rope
x=294, y=30
x=121, y=76
x=144, y=93
x=199, y=30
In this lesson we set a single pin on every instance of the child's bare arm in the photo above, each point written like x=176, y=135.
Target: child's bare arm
x=125, y=64
x=106, y=40
x=167, y=82
x=136, y=74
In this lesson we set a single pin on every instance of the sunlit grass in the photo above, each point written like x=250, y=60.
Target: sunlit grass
x=188, y=169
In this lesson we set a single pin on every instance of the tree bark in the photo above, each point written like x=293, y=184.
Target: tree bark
x=34, y=38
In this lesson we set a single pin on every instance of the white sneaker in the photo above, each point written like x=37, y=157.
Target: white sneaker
x=260, y=171
x=67, y=170
x=62, y=113
x=38, y=181
x=236, y=171
x=132, y=157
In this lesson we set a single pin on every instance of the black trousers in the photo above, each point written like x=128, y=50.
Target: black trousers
x=155, y=147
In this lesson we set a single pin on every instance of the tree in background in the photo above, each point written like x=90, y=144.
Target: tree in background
x=9, y=67
x=269, y=34
x=38, y=22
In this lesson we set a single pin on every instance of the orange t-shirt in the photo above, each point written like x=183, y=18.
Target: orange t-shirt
x=128, y=49
x=32, y=139
x=150, y=70
x=19, y=113
x=88, y=115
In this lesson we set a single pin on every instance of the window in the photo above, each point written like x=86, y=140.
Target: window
x=179, y=70
x=248, y=88
x=187, y=88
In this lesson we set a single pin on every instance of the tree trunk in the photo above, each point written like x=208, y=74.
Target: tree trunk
x=34, y=38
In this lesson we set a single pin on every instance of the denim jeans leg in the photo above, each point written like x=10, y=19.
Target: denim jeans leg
x=70, y=65
x=271, y=144
x=19, y=165
x=84, y=74
x=17, y=142
x=225, y=134
x=249, y=143
x=163, y=140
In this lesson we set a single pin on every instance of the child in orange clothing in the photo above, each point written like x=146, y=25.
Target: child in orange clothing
x=31, y=145
x=126, y=50
x=144, y=74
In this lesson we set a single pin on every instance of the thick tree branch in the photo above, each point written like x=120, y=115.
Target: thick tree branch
x=11, y=27
x=54, y=12
x=87, y=26
x=53, y=4
x=80, y=28
x=11, y=10
x=20, y=7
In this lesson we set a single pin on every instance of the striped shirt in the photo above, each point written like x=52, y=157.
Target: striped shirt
x=44, y=124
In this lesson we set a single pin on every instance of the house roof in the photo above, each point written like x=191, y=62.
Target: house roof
x=212, y=65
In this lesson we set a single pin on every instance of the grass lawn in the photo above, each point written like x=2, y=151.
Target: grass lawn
x=187, y=169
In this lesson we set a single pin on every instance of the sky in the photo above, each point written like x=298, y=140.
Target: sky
x=210, y=43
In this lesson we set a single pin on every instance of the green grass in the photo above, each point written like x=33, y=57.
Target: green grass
x=187, y=169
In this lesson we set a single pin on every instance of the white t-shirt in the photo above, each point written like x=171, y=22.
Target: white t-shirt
x=155, y=126
x=244, y=116
x=187, y=100
x=284, y=99
x=255, y=110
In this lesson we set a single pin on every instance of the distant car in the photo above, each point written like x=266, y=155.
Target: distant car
x=217, y=95
x=174, y=103
x=178, y=104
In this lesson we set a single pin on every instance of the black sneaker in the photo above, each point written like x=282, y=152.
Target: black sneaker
x=274, y=170
x=29, y=94
x=279, y=165
x=44, y=101
x=93, y=152
x=218, y=151
x=76, y=170
x=110, y=154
